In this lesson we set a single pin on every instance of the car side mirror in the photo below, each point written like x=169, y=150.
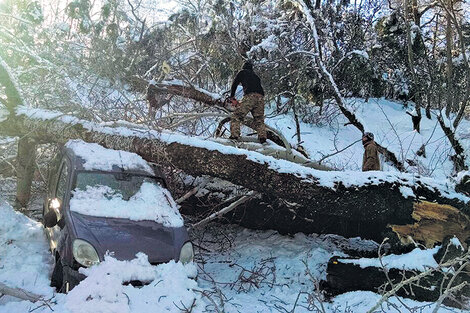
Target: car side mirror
x=50, y=219
x=53, y=216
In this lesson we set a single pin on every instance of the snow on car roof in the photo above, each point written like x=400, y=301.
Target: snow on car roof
x=96, y=157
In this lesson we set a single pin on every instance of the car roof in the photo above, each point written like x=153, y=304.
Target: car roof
x=78, y=163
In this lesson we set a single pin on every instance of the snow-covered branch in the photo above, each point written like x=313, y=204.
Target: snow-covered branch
x=12, y=91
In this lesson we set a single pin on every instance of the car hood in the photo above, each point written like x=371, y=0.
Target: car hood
x=124, y=238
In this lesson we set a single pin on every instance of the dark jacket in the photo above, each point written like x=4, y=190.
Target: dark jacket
x=250, y=81
x=370, y=161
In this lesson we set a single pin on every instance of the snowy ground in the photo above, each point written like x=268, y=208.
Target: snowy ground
x=392, y=128
x=239, y=271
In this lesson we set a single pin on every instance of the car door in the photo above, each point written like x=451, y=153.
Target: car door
x=56, y=200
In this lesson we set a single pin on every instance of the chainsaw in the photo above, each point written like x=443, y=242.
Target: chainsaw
x=232, y=102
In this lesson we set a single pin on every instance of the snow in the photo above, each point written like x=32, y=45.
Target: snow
x=407, y=192
x=327, y=179
x=415, y=260
x=268, y=44
x=168, y=286
x=363, y=301
x=461, y=175
x=152, y=202
x=280, y=259
x=24, y=256
x=97, y=157
x=3, y=114
x=392, y=128
x=361, y=53
x=236, y=254
x=228, y=262
x=456, y=242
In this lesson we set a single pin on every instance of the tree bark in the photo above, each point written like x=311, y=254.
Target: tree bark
x=178, y=89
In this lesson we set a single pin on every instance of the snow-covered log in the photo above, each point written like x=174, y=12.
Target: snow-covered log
x=278, y=152
x=178, y=88
x=373, y=199
x=431, y=275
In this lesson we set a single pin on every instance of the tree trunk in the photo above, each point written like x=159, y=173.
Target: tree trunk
x=459, y=158
x=450, y=66
x=178, y=89
x=25, y=170
x=297, y=123
x=416, y=119
x=416, y=16
x=434, y=223
x=372, y=200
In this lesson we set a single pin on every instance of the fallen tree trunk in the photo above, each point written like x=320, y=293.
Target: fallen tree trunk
x=251, y=144
x=434, y=223
x=446, y=281
x=177, y=88
x=345, y=277
x=374, y=199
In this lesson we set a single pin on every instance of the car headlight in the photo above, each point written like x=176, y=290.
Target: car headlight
x=84, y=253
x=187, y=253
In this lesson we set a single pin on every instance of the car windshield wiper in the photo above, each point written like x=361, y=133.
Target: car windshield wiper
x=122, y=176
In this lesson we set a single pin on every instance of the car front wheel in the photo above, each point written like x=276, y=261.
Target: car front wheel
x=60, y=278
x=57, y=276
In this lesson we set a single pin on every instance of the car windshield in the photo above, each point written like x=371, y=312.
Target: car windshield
x=120, y=183
x=121, y=195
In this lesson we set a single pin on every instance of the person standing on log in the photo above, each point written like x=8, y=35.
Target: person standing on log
x=253, y=101
x=370, y=161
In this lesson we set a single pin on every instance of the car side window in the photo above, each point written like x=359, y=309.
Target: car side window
x=62, y=182
x=53, y=170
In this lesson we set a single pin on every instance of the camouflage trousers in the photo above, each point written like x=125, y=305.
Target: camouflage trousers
x=253, y=103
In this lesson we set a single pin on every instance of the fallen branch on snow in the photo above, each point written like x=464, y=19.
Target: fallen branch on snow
x=19, y=293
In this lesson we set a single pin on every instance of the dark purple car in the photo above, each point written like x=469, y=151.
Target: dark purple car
x=86, y=214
